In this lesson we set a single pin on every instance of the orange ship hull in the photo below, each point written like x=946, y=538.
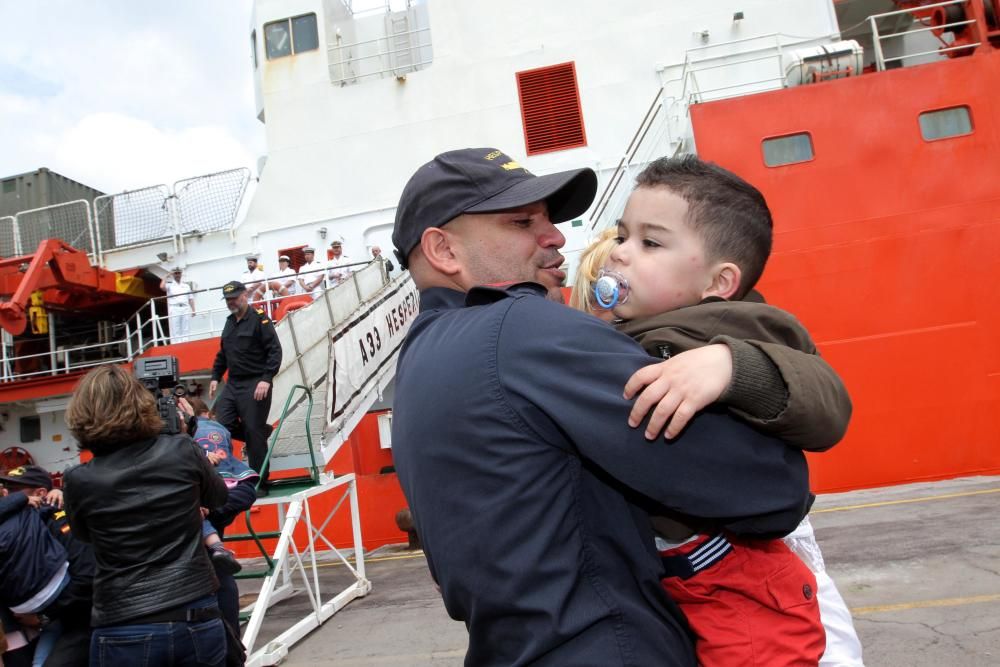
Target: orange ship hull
x=887, y=247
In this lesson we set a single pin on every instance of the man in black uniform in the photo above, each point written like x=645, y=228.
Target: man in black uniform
x=251, y=352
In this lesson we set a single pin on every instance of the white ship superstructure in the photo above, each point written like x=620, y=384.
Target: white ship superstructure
x=353, y=103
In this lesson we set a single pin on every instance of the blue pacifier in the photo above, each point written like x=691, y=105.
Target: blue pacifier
x=610, y=289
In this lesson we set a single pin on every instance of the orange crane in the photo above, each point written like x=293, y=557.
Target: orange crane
x=67, y=282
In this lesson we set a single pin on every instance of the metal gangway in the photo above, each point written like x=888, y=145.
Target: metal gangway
x=339, y=358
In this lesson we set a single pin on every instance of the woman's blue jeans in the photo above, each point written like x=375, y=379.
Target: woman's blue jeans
x=161, y=644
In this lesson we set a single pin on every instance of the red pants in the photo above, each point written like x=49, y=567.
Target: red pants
x=754, y=606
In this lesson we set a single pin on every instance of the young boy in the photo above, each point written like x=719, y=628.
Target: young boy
x=692, y=242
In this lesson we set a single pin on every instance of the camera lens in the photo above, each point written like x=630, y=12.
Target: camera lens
x=180, y=391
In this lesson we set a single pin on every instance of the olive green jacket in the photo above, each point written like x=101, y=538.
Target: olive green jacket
x=780, y=384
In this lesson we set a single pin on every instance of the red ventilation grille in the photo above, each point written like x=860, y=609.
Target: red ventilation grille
x=550, y=109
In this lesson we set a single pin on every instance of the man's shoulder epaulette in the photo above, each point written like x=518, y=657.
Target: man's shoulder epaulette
x=264, y=319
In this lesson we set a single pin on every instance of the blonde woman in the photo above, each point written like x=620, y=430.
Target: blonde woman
x=591, y=261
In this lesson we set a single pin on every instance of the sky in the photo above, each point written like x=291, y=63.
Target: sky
x=124, y=94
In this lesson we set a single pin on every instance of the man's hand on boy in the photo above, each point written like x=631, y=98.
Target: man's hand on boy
x=676, y=389
x=54, y=498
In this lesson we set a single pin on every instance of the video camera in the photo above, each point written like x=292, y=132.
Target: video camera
x=157, y=374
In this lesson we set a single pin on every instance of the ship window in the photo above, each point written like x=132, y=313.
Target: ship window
x=277, y=39
x=31, y=429
x=287, y=36
x=253, y=47
x=789, y=149
x=304, y=35
x=9, y=186
x=944, y=123
x=550, y=109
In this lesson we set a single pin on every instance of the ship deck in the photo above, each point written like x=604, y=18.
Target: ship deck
x=917, y=564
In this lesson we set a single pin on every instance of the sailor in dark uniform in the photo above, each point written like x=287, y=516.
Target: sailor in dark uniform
x=250, y=350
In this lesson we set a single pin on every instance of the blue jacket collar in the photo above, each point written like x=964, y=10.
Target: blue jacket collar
x=434, y=298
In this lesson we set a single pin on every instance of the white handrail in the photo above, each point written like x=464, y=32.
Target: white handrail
x=673, y=108
x=881, y=60
x=136, y=341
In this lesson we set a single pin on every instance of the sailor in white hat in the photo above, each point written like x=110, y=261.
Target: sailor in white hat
x=180, y=305
x=338, y=272
x=253, y=278
x=283, y=281
x=311, y=273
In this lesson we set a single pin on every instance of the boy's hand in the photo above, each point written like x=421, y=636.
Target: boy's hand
x=678, y=388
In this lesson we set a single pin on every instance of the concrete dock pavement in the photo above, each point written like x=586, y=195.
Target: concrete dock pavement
x=918, y=564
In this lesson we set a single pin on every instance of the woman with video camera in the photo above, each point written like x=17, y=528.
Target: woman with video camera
x=138, y=502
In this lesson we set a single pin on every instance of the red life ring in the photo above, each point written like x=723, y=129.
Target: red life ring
x=13, y=457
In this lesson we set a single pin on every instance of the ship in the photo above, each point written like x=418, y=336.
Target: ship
x=869, y=126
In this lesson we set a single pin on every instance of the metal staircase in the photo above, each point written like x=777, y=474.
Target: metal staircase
x=313, y=339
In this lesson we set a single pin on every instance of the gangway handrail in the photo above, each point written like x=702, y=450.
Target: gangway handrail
x=313, y=476
x=313, y=470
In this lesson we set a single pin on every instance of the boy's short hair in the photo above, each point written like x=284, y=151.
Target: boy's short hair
x=730, y=215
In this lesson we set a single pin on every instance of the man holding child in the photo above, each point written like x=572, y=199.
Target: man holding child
x=530, y=491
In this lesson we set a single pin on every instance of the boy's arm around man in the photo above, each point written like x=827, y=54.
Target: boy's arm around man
x=780, y=383
x=562, y=376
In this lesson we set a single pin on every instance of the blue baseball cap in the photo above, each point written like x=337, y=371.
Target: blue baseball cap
x=482, y=180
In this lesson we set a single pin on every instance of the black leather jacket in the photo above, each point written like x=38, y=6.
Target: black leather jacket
x=140, y=508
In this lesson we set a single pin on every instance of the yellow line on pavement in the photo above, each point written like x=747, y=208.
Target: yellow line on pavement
x=886, y=503
x=924, y=604
x=378, y=559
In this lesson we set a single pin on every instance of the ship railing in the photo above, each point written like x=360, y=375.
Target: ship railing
x=151, y=326
x=59, y=360
x=158, y=214
x=919, y=16
x=389, y=58
x=8, y=237
x=69, y=221
x=710, y=72
x=136, y=218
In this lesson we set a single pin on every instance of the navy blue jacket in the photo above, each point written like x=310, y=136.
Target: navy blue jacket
x=530, y=491
x=29, y=554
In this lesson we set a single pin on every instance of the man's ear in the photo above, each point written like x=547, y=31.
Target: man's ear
x=438, y=250
x=725, y=283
